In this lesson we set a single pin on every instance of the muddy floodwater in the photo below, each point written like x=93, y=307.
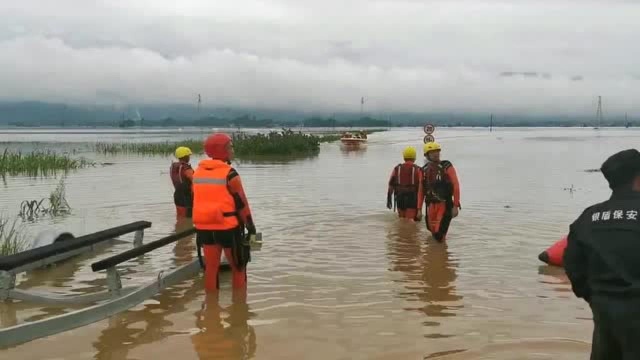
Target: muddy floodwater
x=338, y=276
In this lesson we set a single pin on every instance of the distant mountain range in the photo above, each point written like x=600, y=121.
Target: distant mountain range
x=41, y=114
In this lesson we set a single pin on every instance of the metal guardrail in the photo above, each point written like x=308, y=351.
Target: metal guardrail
x=141, y=250
x=37, y=329
x=116, y=299
x=113, y=276
x=52, y=253
x=38, y=257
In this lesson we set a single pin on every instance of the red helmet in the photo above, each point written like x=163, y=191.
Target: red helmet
x=215, y=146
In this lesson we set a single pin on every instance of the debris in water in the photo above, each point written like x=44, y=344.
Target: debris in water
x=571, y=190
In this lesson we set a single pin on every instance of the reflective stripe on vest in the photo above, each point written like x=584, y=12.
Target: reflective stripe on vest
x=406, y=187
x=213, y=204
x=210, y=181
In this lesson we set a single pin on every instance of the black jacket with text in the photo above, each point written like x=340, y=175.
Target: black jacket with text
x=602, y=257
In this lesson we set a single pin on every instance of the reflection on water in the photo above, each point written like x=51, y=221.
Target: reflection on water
x=353, y=151
x=556, y=278
x=128, y=331
x=428, y=272
x=224, y=332
x=184, y=249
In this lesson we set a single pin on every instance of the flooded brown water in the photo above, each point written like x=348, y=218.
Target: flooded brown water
x=339, y=276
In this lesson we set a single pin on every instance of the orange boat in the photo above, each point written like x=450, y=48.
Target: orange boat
x=354, y=140
x=554, y=253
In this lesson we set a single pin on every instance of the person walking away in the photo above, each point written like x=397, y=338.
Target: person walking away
x=405, y=185
x=221, y=212
x=181, y=176
x=602, y=260
x=442, y=192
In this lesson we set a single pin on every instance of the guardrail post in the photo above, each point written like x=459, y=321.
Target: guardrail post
x=7, y=283
x=113, y=281
x=137, y=239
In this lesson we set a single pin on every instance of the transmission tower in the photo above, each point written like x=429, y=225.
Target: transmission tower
x=599, y=113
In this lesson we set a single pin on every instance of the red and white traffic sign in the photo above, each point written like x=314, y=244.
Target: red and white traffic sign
x=429, y=129
x=428, y=138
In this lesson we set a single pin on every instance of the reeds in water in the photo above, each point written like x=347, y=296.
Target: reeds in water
x=276, y=143
x=38, y=163
x=12, y=239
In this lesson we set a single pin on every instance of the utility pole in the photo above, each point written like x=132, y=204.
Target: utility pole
x=491, y=123
x=599, y=113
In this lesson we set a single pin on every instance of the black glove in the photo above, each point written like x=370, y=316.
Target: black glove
x=251, y=228
x=389, y=202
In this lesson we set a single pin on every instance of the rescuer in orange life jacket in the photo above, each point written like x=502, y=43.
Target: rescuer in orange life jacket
x=441, y=190
x=221, y=213
x=405, y=184
x=181, y=176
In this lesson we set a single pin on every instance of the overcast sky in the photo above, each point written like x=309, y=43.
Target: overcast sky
x=499, y=56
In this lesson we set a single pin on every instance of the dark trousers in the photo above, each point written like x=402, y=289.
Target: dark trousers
x=616, y=332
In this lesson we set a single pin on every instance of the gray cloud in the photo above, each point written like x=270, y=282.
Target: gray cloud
x=518, y=56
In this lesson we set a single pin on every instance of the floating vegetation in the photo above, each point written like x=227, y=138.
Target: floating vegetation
x=38, y=163
x=329, y=138
x=275, y=143
x=285, y=143
x=57, y=204
x=12, y=237
x=58, y=200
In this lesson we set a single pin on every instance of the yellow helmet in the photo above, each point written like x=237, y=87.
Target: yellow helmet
x=409, y=152
x=183, y=151
x=431, y=146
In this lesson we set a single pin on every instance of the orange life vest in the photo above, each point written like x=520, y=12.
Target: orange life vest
x=407, y=178
x=182, y=184
x=214, y=207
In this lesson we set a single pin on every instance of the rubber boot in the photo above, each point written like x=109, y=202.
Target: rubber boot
x=212, y=265
x=238, y=276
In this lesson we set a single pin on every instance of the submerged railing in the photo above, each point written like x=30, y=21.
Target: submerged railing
x=42, y=256
x=109, y=302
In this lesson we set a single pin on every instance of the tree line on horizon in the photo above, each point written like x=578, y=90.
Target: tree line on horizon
x=56, y=115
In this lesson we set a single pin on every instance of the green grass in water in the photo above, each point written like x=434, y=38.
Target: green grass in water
x=12, y=238
x=38, y=163
x=276, y=143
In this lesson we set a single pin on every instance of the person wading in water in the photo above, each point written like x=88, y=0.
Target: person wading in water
x=221, y=213
x=441, y=190
x=405, y=185
x=181, y=176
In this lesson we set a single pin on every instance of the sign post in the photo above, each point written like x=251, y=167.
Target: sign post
x=429, y=129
